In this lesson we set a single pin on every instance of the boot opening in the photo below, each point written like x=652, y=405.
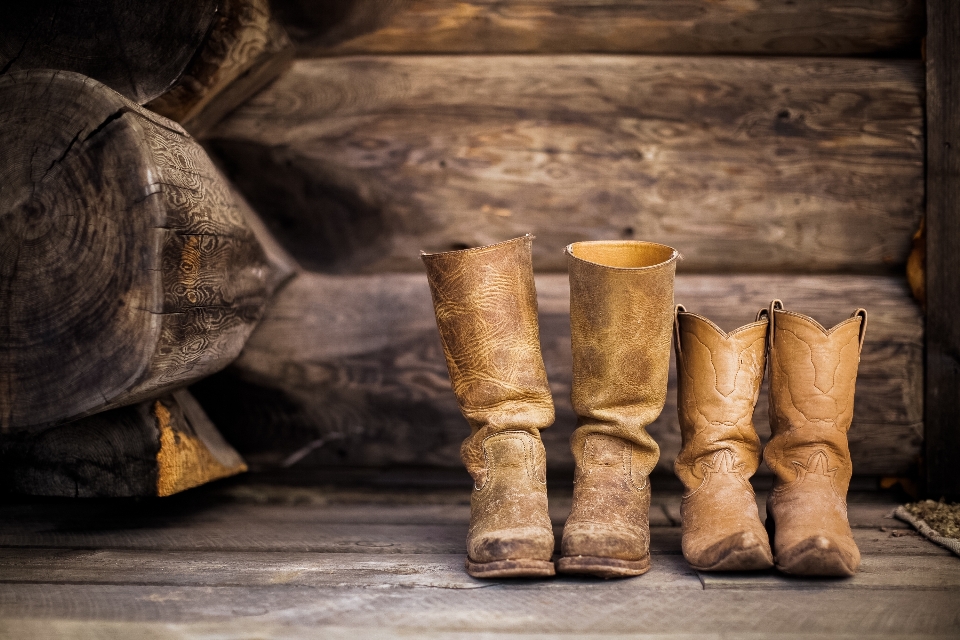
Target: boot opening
x=623, y=254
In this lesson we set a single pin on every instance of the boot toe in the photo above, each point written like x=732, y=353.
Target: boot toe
x=819, y=556
x=529, y=543
x=604, y=542
x=742, y=551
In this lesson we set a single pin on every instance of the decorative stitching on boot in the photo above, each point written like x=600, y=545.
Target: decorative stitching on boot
x=817, y=465
x=724, y=461
x=530, y=463
x=646, y=478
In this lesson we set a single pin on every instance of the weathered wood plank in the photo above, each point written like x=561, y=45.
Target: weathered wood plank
x=743, y=164
x=350, y=570
x=153, y=448
x=100, y=630
x=803, y=27
x=127, y=268
x=352, y=366
x=137, y=49
x=271, y=530
x=876, y=572
x=943, y=260
x=346, y=570
x=603, y=608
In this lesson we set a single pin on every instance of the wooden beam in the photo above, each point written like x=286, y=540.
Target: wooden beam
x=943, y=259
x=349, y=370
x=744, y=164
x=127, y=266
x=244, y=50
x=138, y=49
x=800, y=27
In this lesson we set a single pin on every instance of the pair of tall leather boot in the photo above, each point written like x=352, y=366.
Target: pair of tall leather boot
x=812, y=376
x=621, y=309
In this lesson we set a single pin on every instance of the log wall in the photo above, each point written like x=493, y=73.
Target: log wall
x=417, y=125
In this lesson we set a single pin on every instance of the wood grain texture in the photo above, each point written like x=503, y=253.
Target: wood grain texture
x=585, y=609
x=153, y=448
x=445, y=571
x=127, y=267
x=744, y=164
x=240, y=560
x=136, y=48
x=349, y=370
x=209, y=524
x=242, y=52
x=942, y=258
x=802, y=27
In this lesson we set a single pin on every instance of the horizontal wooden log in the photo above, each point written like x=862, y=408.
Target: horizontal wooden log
x=801, y=27
x=138, y=49
x=244, y=50
x=349, y=370
x=154, y=448
x=128, y=267
x=744, y=164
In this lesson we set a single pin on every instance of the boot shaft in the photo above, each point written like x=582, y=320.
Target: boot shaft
x=813, y=373
x=486, y=307
x=621, y=310
x=718, y=383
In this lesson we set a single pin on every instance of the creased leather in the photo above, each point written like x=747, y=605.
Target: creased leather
x=813, y=375
x=486, y=308
x=621, y=313
x=718, y=383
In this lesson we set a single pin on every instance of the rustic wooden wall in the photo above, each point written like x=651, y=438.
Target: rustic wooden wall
x=424, y=125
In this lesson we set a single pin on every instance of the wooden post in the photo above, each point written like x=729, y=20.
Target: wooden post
x=942, y=415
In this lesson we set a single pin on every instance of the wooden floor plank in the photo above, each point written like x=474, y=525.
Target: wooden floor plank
x=876, y=572
x=888, y=570
x=607, y=608
x=231, y=629
x=347, y=570
x=267, y=536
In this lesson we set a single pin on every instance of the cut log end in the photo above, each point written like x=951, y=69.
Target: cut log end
x=191, y=451
x=127, y=267
x=154, y=448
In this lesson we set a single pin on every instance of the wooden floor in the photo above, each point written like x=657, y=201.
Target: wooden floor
x=251, y=559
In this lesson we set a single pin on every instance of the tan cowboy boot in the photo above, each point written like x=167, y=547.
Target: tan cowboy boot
x=621, y=311
x=718, y=382
x=813, y=373
x=486, y=308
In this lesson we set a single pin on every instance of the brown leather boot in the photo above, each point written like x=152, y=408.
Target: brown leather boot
x=621, y=311
x=813, y=373
x=718, y=382
x=486, y=307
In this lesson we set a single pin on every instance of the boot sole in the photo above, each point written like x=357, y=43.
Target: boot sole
x=511, y=569
x=603, y=567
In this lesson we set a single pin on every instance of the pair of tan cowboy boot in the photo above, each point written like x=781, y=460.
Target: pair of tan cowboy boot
x=621, y=310
x=812, y=377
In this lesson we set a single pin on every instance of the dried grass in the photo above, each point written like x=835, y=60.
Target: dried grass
x=942, y=517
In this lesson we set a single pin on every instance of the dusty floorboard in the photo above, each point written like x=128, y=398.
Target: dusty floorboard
x=249, y=560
